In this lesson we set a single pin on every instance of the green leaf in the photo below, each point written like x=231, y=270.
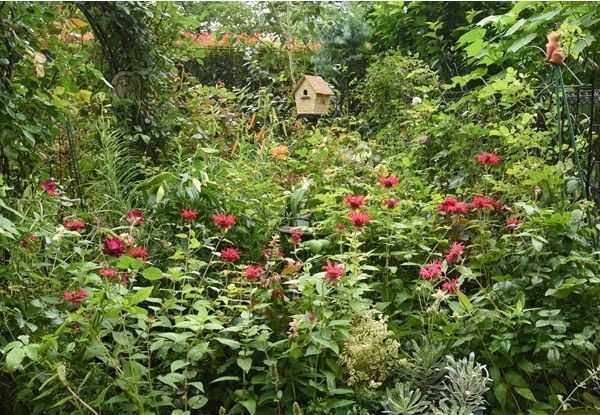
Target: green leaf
x=464, y=301
x=152, y=274
x=234, y=344
x=526, y=393
x=525, y=40
x=500, y=392
x=330, y=344
x=250, y=405
x=226, y=378
x=160, y=194
x=14, y=358
x=515, y=379
x=245, y=364
x=140, y=295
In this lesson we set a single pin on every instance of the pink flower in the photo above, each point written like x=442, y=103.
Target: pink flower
x=514, y=222
x=450, y=286
x=312, y=318
x=189, y=215
x=333, y=272
x=135, y=218
x=75, y=297
x=29, y=240
x=108, y=273
x=389, y=181
x=253, y=272
x=431, y=271
x=50, y=187
x=359, y=219
x=391, y=203
x=296, y=236
x=355, y=201
x=114, y=246
x=455, y=251
x=224, y=221
x=484, y=203
x=230, y=255
x=341, y=228
x=453, y=206
x=74, y=225
x=124, y=277
x=138, y=252
x=488, y=158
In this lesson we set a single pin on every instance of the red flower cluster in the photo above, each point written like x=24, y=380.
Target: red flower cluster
x=253, y=272
x=189, y=215
x=453, y=206
x=296, y=236
x=431, y=271
x=514, y=222
x=333, y=272
x=74, y=225
x=230, y=255
x=359, y=219
x=488, y=158
x=389, y=181
x=224, y=221
x=391, y=203
x=135, y=218
x=108, y=273
x=114, y=246
x=450, y=286
x=138, y=252
x=455, y=251
x=485, y=203
x=76, y=297
x=355, y=201
x=50, y=187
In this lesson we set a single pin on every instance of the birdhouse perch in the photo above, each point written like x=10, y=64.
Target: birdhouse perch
x=312, y=96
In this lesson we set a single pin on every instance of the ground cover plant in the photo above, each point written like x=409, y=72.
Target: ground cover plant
x=199, y=249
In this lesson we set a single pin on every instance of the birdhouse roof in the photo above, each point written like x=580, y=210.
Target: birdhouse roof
x=317, y=83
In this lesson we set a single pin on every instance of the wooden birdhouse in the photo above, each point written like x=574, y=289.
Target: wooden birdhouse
x=312, y=96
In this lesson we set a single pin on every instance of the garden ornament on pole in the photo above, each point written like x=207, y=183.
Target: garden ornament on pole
x=556, y=57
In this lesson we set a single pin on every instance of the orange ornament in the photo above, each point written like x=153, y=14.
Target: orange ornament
x=553, y=53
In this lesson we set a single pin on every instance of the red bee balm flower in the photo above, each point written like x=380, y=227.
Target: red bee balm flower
x=333, y=272
x=431, y=271
x=114, y=247
x=74, y=225
x=224, y=221
x=484, y=203
x=135, y=218
x=389, y=181
x=189, y=215
x=253, y=272
x=455, y=251
x=359, y=219
x=138, y=252
x=230, y=255
x=452, y=206
x=450, y=286
x=488, y=158
x=514, y=222
x=355, y=201
x=50, y=187
x=108, y=273
x=391, y=203
x=341, y=228
x=296, y=236
x=75, y=297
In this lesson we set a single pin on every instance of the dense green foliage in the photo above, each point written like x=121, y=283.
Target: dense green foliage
x=197, y=249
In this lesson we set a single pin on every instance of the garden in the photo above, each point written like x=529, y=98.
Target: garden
x=181, y=233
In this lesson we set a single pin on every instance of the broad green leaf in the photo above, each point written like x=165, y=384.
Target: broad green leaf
x=464, y=301
x=14, y=358
x=245, y=364
x=526, y=393
x=140, y=295
x=234, y=344
x=518, y=44
x=152, y=274
x=250, y=405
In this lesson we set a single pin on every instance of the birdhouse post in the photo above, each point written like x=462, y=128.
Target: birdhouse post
x=312, y=96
